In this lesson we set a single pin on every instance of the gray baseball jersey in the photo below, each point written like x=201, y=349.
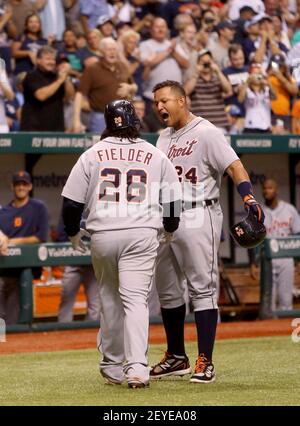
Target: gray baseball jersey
x=200, y=154
x=282, y=221
x=121, y=184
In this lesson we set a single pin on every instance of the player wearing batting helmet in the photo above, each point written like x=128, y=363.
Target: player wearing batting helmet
x=129, y=189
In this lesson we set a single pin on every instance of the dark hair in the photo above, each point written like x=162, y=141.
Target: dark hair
x=130, y=133
x=174, y=85
x=44, y=50
x=234, y=48
x=39, y=33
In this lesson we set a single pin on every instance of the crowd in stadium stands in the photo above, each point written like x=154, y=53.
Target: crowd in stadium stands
x=238, y=60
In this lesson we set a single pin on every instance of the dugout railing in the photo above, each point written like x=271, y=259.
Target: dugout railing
x=275, y=248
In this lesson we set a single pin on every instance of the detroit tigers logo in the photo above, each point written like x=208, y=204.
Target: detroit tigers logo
x=181, y=152
x=239, y=231
x=118, y=121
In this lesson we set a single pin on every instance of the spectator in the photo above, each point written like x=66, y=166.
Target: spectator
x=246, y=14
x=144, y=26
x=53, y=19
x=235, y=6
x=281, y=220
x=123, y=27
x=6, y=93
x=121, y=11
x=23, y=221
x=257, y=94
x=209, y=22
x=284, y=87
x=21, y=9
x=186, y=48
x=91, y=52
x=6, y=31
x=237, y=73
x=181, y=21
x=90, y=11
x=131, y=55
x=171, y=9
x=219, y=48
x=158, y=53
x=106, y=26
x=72, y=15
x=235, y=120
x=81, y=41
x=71, y=52
x=25, y=49
x=101, y=83
x=296, y=116
x=281, y=34
x=262, y=45
x=72, y=277
x=13, y=114
x=139, y=107
x=44, y=91
x=207, y=89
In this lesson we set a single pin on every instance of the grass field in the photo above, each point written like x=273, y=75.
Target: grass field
x=261, y=371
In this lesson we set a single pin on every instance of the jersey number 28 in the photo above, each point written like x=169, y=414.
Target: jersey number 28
x=136, y=181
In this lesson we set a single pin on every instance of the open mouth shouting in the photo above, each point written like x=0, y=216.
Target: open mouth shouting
x=164, y=116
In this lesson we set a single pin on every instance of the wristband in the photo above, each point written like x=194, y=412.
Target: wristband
x=244, y=189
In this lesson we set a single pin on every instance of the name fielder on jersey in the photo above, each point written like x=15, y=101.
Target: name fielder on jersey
x=122, y=193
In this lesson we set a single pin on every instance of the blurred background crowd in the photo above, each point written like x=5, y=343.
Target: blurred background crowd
x=239, y=61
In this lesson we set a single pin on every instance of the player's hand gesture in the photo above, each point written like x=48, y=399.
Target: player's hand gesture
x=3, y=244
x=77, y=241
x=250, y=204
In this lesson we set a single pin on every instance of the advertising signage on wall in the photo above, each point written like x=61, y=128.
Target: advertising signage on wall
x=46, y=143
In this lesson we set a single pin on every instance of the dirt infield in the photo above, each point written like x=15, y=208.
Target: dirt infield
x=84, y=339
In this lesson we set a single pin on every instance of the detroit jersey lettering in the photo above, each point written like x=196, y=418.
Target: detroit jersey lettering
x=200, y=154
x=282, y=221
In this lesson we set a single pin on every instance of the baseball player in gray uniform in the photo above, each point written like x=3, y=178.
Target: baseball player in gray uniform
x=201, y=156
x=121, y=182
x=282, y=220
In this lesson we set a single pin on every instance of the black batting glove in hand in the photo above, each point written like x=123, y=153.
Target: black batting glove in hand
x=250, y=204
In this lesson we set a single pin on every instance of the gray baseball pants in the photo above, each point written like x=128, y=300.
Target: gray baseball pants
x=124, y=263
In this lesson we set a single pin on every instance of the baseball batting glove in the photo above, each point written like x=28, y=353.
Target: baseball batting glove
x=250, y=204
x=77, y=241
x=165, y=237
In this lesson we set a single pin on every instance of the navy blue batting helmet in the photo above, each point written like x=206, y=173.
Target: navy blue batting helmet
x=249, y=233
x=120, y=114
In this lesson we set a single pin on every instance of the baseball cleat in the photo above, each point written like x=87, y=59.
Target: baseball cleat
x=171, y=365
x=136, y=383
x=204, y=371
x=110, y=380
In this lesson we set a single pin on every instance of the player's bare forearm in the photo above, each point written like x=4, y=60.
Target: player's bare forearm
x=24, y=240
x=237, y=172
